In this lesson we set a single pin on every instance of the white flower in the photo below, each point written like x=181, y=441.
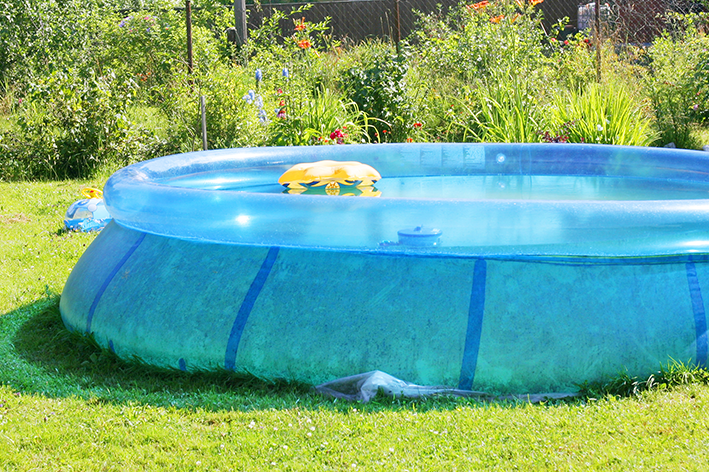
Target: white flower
x=599, y=127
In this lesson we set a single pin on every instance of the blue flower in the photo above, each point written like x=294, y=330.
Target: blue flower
x=249, y=97
x=259, y=75
x=286, y=74
x=262, y=116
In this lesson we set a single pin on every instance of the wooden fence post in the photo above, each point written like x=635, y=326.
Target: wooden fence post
x=188, y=21
x=240, y=21
x=397, y=22
x=599, y=40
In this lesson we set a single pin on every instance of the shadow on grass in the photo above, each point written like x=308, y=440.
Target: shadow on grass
x=38, y=355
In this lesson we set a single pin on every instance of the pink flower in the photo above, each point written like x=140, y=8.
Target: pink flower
x=338, y=136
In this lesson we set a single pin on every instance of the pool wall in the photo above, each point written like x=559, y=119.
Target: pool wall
x=521, y=296
x=313, y=316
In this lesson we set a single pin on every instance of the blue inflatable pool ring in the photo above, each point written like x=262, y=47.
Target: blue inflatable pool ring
x=506, y=268
x=87, y=214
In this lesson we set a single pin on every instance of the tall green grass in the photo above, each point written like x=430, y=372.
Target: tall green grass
x=505, y=110
x=603, y=114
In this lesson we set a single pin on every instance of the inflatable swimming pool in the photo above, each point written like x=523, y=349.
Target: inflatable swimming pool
x=511, y=268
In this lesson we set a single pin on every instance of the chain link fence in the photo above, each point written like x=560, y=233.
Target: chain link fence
x=627, y=21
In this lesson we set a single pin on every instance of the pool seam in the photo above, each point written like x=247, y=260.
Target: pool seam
x=109, y=279
x=476, y=310
x=247, y=305
x=700, y=319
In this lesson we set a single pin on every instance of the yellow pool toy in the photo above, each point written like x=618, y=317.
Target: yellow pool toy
x=331, y=174
x=89, y=192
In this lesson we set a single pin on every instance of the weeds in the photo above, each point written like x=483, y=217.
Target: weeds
x=669, y=376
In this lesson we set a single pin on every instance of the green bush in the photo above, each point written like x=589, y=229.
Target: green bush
x=489, y=65
x=142, y=47
x=72, y=123
x=38, y=36
x=323, y=118
x=481, y=39
x=675, y=84
x=376, y=81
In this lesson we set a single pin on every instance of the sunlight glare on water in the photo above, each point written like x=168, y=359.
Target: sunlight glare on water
x=526, y=187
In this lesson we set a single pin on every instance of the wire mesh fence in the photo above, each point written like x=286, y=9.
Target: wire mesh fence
x=628, y=21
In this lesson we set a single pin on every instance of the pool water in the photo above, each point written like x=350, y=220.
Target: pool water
x=518, y=187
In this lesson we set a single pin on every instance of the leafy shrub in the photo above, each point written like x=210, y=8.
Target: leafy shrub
x=488, y=63
x=376, y=81
x=677, y=84
x=476, y=39
x=70, y=125
x=231, y=121
x=38, y=36
x=574, y=61
x=142, y=46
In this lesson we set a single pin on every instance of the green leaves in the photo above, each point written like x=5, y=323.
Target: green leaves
x=603, y=114
x=377, y=83
x=677, y=82
x=316, y=119
x=74, y=122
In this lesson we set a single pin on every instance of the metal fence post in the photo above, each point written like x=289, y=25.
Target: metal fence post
x=203, y=109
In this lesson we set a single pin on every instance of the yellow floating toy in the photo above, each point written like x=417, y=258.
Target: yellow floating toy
x=331, y=174
x=343, y=191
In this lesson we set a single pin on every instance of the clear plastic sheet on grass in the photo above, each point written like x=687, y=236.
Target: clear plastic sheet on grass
x=364, y=387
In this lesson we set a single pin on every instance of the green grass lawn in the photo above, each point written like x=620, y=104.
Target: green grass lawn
x=65, y=405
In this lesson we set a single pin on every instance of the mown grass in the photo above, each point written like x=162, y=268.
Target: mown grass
x=66, y=405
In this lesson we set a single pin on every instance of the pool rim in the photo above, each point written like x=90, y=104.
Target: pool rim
x=151, y=179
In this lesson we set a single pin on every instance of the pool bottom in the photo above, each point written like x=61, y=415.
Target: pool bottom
x=501, y=326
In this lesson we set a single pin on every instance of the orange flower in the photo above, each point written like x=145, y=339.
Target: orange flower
x=520, y=3
x=300, y=26
x=304, y=44
x=535, y=2
x=497, y=19
x=479, y=5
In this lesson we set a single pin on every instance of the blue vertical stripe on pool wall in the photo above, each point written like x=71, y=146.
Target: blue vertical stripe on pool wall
x=246, y=306
x=108, y=280
x=476, y=310
x=700, y=318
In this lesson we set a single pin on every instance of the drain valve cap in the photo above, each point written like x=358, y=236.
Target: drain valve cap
x=420, y=236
